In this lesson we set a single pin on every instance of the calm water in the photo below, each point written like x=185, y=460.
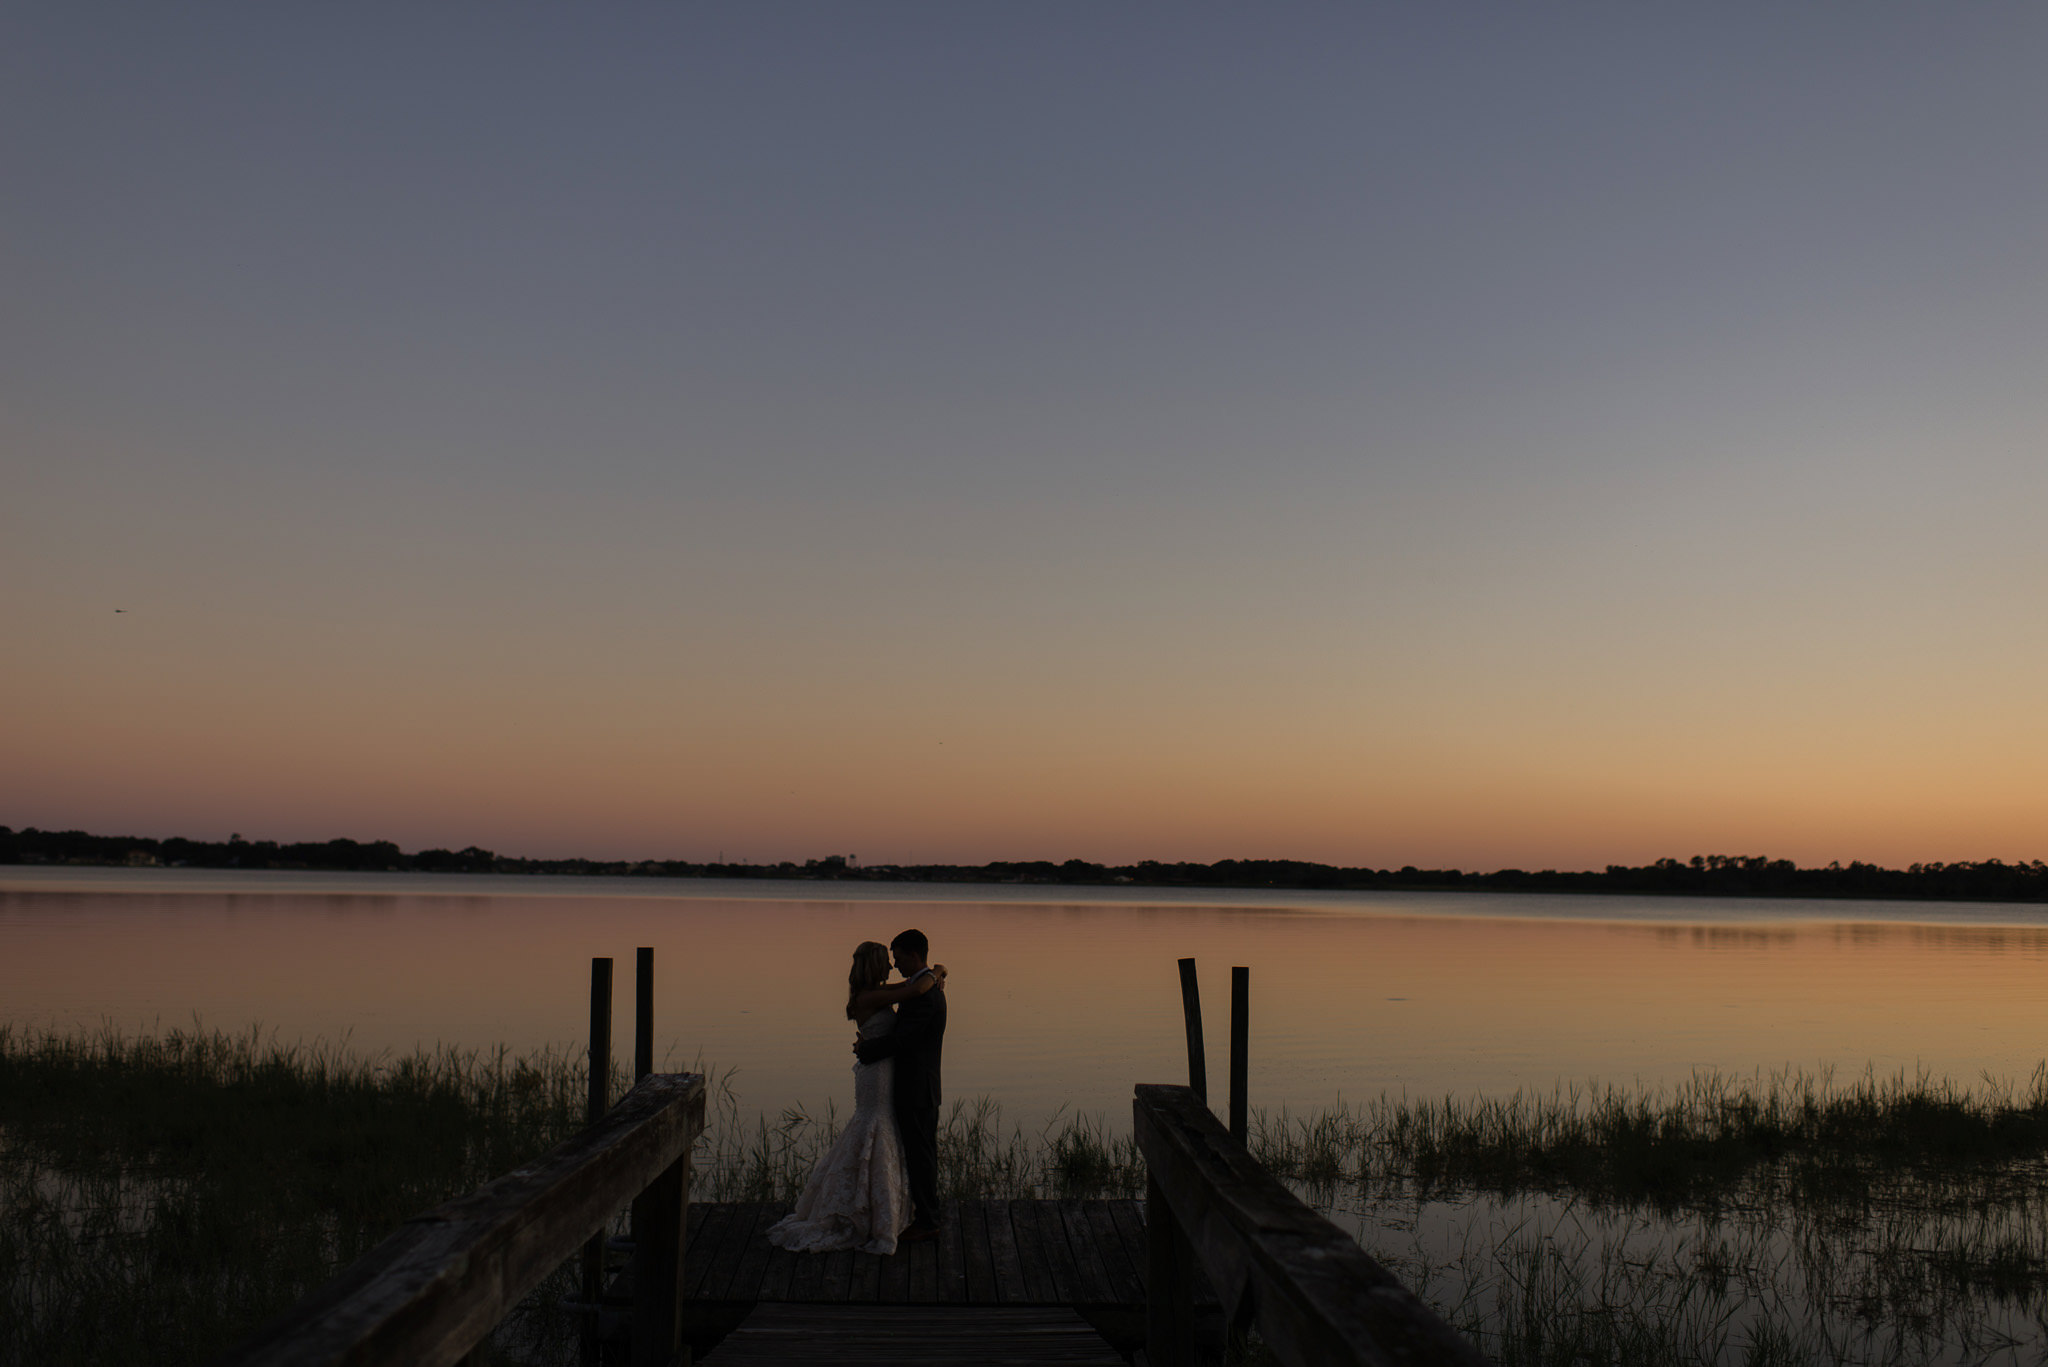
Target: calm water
x=1060, y=996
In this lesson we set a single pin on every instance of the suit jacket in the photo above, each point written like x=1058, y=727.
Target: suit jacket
x=915, y=1044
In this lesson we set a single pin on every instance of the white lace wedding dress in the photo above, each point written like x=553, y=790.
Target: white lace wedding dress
x=857, y=1197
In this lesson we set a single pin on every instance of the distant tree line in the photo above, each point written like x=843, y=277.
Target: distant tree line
x=1712, y=875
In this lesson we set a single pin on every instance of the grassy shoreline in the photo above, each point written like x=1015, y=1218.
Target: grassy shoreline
x=162, y=1194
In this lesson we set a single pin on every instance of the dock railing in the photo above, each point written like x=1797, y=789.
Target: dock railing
x=433, y=1291
x=1316, y=1298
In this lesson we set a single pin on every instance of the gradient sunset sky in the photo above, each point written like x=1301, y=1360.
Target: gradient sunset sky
x=1439, y=434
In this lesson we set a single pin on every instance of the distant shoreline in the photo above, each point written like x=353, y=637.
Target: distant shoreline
x=1989, y=880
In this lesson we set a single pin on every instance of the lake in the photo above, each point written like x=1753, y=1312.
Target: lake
x=1060, y=997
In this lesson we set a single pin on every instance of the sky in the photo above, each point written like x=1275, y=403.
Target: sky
x=1453, y=435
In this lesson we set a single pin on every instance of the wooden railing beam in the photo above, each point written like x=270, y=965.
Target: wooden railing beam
x=1315, y=1295
x=436, y=1288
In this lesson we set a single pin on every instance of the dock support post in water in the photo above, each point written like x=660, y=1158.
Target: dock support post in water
x=599, y=1102
x=643, y=1012
x=661, y=1214
x=1240, y=1046
x=1169, y=1282
x=1191, y=1006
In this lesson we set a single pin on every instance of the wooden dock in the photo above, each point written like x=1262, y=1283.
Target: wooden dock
x=1009, y=1283
x=1085, y=1259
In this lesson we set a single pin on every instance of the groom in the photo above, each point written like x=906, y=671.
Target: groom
x=914, y=1044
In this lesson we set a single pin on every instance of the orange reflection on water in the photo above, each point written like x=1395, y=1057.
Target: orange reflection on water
x=1053, y=1003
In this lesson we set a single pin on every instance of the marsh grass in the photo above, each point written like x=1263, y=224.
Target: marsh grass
x=162, y=1194
x=1706, y=1140
x=1782, y=1218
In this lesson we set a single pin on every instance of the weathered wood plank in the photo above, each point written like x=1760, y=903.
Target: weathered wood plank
x=753, y=1262
x=1022, y=1252
x=701, y=1261
x=838, y=1276
x=1317, y=1296
x=809, y=1282
x=981, y=1277
x=749, y=1226
x=926, y=1282
x=1093, y=1286
x=949, y=1258
x=936, y=1336
x=436, y=1287
x=1037, y=1277
x=893, y=1285
x=779, y=1275
x=867, y=1279
x=1129, y=1217
x=1003, y=1254
x=1126, y=1284
x=1059, y=1253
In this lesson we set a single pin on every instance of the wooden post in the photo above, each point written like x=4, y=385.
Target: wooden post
x=643, y=1063
x=1169, y=1283
x=661, y=1214
x=599, y=1102
x=643, y=1013
x=1240, y=1045
x=1191, y=1006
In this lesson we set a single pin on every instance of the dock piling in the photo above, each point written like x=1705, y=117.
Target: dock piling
x=1191, y=1006
x=598, y=1103
x=643, y=1012
x=1240, y=1046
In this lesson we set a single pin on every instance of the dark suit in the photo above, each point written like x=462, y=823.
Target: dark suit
x=915, y=1043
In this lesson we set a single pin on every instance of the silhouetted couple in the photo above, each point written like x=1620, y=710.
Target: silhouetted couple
x=879, y=1183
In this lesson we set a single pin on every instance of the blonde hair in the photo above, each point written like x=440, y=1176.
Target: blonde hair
x=870, y=969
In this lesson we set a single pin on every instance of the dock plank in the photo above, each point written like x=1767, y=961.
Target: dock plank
x=988, y=1253
x=924, y=1270
x=838, y=1276
x=867, y=1279
x=1126, y=1285
x=701, y=1254
x=1092, y=1286
x=808, y=1284
x=1030, y=1254
x=1129, y=1217
x=856, y=1336
x=750, y=1222
x=981, y=1277
x=892, y=1286
x=951, y=1284
x=779, y=1275
x=753, y=1257
x=1059, y=1255
x=1003, y=1255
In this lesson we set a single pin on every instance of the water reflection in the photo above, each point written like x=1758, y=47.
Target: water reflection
x=1066, y=1000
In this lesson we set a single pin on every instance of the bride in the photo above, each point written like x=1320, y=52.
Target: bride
x=857, y=1196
